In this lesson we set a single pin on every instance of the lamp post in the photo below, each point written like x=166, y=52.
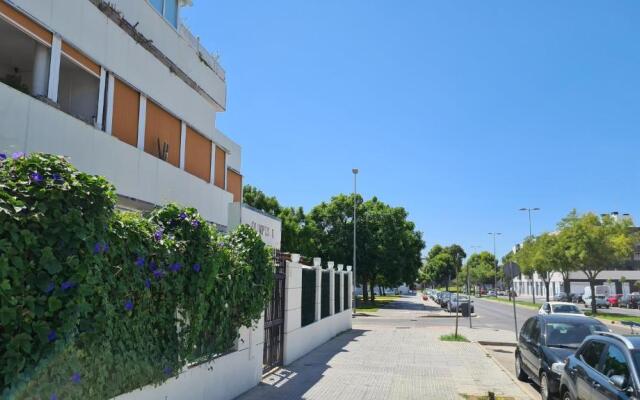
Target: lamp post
x=355, y=203
x=533, y=283
x=469, y=288
x=495, y=267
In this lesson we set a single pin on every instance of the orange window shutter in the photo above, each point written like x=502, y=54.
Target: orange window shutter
x=81, y=59
x=198, y=155
x=162, y=134
x=234, y=185
x=221, y=164
x=126, y=109
x=25, y=23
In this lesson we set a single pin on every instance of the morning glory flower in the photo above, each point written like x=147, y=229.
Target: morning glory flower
x=52, y=336
x=221, y=244
x=66, y=285
x=196, y=267
x=158, y=273
x=153, y=266
x=167, y=371
x=97, y=248
x=175, y=267
x=140, y=261
x=183, y=216
x=128, y=305
x=17, y=155
x=75, y=378
x=3, y=156
x=53, y=397
x=105, y=248
x=57, y=178
x=147, y=283
x=35, y=177
x=158, y=235
x=195, y=223
x=50, y=287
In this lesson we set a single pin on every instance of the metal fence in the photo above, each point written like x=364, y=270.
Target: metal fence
x=325, y=299
x=308, y=303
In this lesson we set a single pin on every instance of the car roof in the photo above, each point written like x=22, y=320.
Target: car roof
x=562, y=303
x=567, y=318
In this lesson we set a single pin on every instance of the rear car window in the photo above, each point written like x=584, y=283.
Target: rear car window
x=615, y=363
x=566, y=308
x=591, y=353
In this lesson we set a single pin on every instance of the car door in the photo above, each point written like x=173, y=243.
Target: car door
x=523, y=343
x=613, y=363
x=587, y=366
x=532, y=353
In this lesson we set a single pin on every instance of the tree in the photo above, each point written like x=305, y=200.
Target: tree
x=594, y=244
x=549, y=256
x=443, y=264
x=481, y=268
x=256, y=198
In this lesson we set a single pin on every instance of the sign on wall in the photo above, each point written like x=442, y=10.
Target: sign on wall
x=268, y=227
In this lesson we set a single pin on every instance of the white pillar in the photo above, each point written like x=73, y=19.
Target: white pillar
x=142, y=121
x=183, y=142
x=111, y=86
x=341, y=290
x=318, y=293
x=350, y=283
x=213, y=164
x=101, y=99
x=332, y=292
x=40, y=79
x=54, y=67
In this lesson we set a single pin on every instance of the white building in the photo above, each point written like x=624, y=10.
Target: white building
x=268, y=227
x=124, y=91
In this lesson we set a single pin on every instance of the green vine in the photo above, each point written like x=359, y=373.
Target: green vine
x=95, y=302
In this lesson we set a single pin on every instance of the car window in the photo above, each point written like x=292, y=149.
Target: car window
x=572, y=333
x=524, y=331
x=615, y=363
x=591, y=353
x=535, y=331
x=566, y=308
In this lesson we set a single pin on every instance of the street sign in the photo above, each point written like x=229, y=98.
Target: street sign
x=511, y=270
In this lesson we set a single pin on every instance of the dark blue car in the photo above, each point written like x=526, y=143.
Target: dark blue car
x=604, y=367
x=545, y=341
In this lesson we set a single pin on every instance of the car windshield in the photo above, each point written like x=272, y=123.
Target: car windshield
x=461, y=298
x=571, y=334
x=566, y=308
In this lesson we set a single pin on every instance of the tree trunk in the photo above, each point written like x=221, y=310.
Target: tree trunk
x=546, y=287
x=592, y=285
x=566, y=284
x=372, y=284
x=365, y=293
x=533, y=289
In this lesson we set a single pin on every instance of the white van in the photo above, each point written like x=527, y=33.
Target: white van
x=602, y=293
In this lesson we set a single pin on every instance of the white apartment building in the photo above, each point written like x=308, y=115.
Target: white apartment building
x=123, y=90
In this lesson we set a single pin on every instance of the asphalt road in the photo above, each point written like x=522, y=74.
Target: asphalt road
x=491, y=314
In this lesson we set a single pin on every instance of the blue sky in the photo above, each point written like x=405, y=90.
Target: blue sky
x=460, y=111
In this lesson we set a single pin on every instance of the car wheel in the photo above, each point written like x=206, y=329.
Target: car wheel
x=519, y=371
x=544, y=386
x=567, y=395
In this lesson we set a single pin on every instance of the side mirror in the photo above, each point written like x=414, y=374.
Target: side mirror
x=619, y=381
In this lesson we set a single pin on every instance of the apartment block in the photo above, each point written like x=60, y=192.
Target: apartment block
x=124, y=90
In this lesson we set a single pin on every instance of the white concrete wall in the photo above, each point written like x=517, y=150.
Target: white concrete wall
x=29, y=125
x=224, y=378
x=81, y=24
x=299, y=340
x=268, y=227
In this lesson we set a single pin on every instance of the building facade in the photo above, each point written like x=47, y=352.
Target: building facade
x=123, y=90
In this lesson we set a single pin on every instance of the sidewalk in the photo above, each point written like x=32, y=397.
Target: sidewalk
x=393, y=355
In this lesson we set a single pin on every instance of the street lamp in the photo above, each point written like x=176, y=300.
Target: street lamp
x=355, y=203
x=495, y=274
x=529, y=211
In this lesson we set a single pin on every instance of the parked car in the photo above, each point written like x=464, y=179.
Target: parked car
x=629, y=300
x=491, y=293
x=576, y=298
x=562, y=296
x=545, y=341
x=604, y=367
x=613, y=300
x=601, y=301
x=502, y=292
x=444, y=299
x=557, y=307
x=456, y=300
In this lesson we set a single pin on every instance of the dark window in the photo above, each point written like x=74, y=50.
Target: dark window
x=535, y=331
x=524, y=331
x=592, y=352
x=615, y=363
x=308, y=306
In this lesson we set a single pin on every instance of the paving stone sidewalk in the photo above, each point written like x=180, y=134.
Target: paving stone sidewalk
x=400, y=360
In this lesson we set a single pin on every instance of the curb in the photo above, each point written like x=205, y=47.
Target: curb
x=521, y=385
x=497, y=344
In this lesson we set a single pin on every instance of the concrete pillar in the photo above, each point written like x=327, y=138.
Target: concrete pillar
x=341, y=290
x=332, y=292
x=318, y=293
x=40, y=80
x=101, y=98
x=142, y=121
x=54, y=68
x=183, y=143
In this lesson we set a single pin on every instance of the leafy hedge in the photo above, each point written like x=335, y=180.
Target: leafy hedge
x=95, y=302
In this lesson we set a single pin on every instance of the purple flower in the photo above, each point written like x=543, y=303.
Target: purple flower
x=97, y=248
x=183, y=216
x=221, y=244
x=53, y=397
x=167, y=371
x=75, y=378
x=66, y=285
x=196, y=267
x=175, y=267
x=195, y=223
x=17, y=155
x=50, y=288
x=3, y=156
x=35, y=177
x=158, y=235
x=57, y=178
x=158, y=273
x=140, y=261
x=52, y=336
x=147, y=283
x=153, y=266
x=128, y=305
x=105, y=248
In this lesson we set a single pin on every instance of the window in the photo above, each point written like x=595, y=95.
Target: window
x=168, y=9
x=571, y=334
x=79, y=86
x=615, y=363
x=126, y=109
x=162, y=134
x=535, y=331
x=234, y=185
x=526, y=328
x=591, y=353
x=197, y=159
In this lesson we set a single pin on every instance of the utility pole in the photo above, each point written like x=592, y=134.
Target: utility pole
x=469, y=289
x=495, y=267
x=533, y=283
x=355, y=204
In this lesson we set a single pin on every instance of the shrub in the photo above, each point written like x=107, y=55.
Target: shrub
x=97, y=302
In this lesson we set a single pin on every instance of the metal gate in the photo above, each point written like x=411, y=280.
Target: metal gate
x=274, y=318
